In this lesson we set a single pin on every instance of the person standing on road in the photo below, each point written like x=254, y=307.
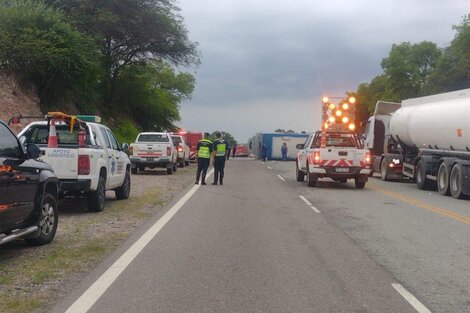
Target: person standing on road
x=221, y=150
x=284, y=151
x=234, y=149
x=228, y=148
x=203, y=155
x=264, y=152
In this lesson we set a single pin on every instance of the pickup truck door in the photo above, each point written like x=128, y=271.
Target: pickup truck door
x=18, y=182
x=116, y=161
x=303, y=154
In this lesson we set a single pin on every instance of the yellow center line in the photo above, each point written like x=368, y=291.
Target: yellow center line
x=440, y=211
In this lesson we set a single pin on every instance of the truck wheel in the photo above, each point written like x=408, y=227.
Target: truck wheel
x=124, y=190
x=47, y=222
x=311, y=179
x=134, y=170
x=421, y=181
x=96, y=198
x=300, y=175
x=186, y=163
x=169, y=170
x=456, y=181
x=443, y=179
x=359, y=184
x=384, y=170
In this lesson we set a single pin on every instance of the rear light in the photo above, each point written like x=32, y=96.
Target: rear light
x=180, y=149
x=316, y=157
x=367, y=158
x=83, y=165
x=168, y=151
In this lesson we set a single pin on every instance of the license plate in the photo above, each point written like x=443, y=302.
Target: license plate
x=149, y=159
x=342, y=170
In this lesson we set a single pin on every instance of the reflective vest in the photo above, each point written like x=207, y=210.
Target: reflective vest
x=204, y=151
x=221, y=147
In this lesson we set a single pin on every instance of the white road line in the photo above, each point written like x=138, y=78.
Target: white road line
x=411, y=299
x=309, y=204
x=99, y=287
x=269, y=167
x=281, y=178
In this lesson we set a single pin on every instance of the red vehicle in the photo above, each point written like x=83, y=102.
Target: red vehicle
x=241, y=151
x=191, y=139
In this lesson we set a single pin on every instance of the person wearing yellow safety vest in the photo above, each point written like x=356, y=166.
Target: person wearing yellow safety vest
x=203, y=155
x=220, y=153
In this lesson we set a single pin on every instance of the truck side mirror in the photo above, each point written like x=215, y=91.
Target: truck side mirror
x=300, y=146
x=32, y=151
x=124, y=147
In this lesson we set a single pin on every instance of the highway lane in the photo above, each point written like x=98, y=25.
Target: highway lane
x=421, y=237
x=252, y=245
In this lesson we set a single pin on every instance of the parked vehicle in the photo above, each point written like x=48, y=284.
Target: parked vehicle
x=153, y=150
x=342, y=157
x=242, y=150
x=28, y=193
x=274, y=141
x=429, y=139
x=191, y=139
x=85, y=156
x=182, y=150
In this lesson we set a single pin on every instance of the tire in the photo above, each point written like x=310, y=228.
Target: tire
x=311, y=179
x=175, y=167
x=134, y=170
x=443, y=179
x=97, y=198
x=124, y=190
x=455, y=181
x=360, y=184
x=421, y=180
x=181, y=164
x=299, y=174
x=384, y=170
x=186, y=163
x=169, y=170
x=48, y=221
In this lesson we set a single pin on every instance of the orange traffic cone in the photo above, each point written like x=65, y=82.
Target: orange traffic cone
x=52, y=141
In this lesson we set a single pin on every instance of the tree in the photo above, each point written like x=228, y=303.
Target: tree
x=225, y=136
x=452, y=71
x=37, y=42
x=150, y=94
x=130, y=32
x=408, y=66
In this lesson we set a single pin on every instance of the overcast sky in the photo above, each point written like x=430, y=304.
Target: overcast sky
x=267, y=63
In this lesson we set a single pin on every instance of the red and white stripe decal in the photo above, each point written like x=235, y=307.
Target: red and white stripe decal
x=149, y=154
x=337, y=163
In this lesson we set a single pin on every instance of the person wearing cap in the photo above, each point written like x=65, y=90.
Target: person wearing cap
x=203, y=155
x=220, y=148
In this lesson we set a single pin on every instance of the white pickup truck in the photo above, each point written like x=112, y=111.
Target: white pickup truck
x=182, y=150
x=152, y=149
x=90, y=168
x=341, y=157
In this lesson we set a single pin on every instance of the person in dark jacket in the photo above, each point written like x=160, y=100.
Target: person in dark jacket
x=203, y=154
x=264, y=152
x=284, y=151
x=220, y=148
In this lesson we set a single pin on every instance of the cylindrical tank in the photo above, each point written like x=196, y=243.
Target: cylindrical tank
x=442, y=124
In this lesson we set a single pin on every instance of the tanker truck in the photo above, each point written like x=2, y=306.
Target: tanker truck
x=425, y=139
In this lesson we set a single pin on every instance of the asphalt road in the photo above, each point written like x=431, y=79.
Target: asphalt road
x=253, y=245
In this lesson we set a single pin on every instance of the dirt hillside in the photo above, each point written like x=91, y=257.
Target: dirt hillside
x=17, y=98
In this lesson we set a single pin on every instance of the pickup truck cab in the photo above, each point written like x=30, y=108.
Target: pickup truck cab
x=182, y=150
x=153, y=149
x=90, y=169
x=341, y=158
x=28, y=193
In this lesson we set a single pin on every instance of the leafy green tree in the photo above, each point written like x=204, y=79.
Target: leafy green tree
x=408, y=67
x=452, y=71
x=226, y=136
x=150, y=94
x=37, y=42
x=130, y=32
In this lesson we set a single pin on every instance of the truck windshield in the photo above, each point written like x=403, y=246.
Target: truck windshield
x=176, y=140
x=8, y=144
x=153, y=138
x=39, y=134
x=336, y=140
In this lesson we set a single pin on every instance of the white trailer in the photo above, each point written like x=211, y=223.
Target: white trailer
x=431, y=135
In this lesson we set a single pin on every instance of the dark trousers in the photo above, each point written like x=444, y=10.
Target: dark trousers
x=202, y=165
x=219, y=165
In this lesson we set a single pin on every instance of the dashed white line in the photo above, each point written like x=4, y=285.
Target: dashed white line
x=309, y=204
x=281, y=178
x=269, y=167
x=411, y=299
x=99, y=287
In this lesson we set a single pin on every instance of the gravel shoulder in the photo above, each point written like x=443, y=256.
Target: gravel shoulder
x=33, y=279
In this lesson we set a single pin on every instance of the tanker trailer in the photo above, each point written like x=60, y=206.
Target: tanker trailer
x=433, y=133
